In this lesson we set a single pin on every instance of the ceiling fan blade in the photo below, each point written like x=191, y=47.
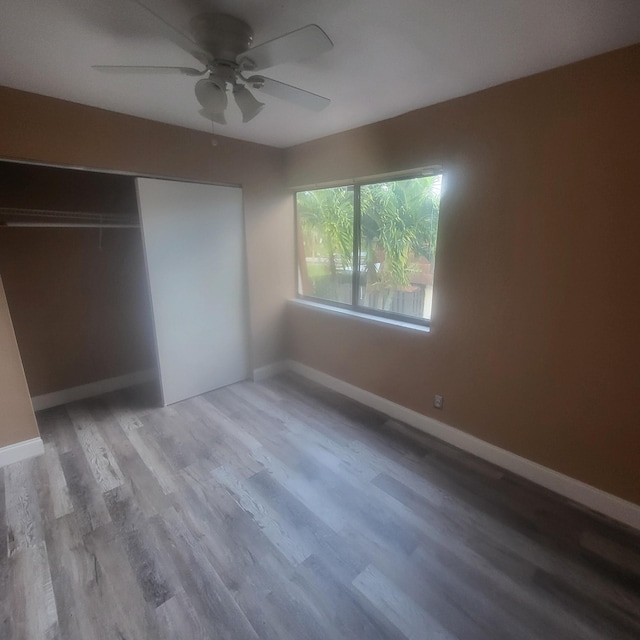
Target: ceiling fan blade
x=301, y=44
x=291, y=94
x=175, y=35
x=187, y=71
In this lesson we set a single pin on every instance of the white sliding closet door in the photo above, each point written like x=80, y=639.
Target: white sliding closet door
x=194, y=245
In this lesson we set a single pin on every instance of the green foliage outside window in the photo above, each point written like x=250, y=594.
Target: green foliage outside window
x=398, y=234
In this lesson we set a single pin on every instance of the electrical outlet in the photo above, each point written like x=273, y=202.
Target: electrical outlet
x=438, y=401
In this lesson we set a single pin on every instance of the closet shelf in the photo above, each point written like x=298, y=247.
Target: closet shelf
x=47, y=218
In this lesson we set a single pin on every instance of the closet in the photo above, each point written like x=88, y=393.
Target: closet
x=72, y=259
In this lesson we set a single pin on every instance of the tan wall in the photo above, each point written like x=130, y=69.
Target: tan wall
x=17, y=421
x=535, y=341
x=46, y=130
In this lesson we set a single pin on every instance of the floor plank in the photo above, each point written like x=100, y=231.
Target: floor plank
x=283, y=511
x=399, y=607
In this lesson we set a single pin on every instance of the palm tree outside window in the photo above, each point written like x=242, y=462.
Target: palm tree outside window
x=371, y=246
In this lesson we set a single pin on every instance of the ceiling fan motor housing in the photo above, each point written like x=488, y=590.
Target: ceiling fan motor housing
x=222, y=36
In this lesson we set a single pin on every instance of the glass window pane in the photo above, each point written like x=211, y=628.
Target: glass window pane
x=325, y=243
x=399, y=226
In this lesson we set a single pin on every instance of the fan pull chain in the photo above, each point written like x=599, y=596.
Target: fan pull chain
x=214, y=140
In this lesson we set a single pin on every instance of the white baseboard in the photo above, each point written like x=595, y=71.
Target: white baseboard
x=21, y=451
x=580, y=492
x=269, y=370
x=92, y=389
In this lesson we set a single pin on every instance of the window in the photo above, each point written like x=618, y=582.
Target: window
x=370, y=247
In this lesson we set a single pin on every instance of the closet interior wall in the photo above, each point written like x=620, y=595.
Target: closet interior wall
x=78, y=296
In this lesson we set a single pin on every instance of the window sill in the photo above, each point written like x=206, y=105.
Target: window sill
x=359, y=315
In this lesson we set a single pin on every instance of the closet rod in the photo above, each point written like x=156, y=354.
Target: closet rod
x=62, y=214
x=63, y=225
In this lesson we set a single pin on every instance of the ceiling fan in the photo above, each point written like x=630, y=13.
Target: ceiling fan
x=222, y=43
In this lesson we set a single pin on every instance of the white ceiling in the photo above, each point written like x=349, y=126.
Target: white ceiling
x=390, y=56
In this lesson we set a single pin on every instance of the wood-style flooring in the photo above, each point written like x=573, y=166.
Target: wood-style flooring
x=283, y=511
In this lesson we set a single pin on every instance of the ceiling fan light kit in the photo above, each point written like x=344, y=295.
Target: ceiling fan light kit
x=247, y=103
x=222, y=43
x=212, y=96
